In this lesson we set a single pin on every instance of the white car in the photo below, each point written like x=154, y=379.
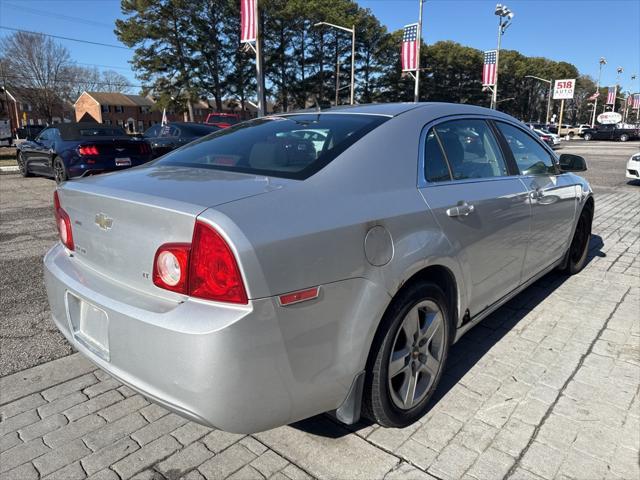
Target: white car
x=555, y=137
x=633, y=167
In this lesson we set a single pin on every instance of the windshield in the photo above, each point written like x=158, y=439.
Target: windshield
x=292, y=146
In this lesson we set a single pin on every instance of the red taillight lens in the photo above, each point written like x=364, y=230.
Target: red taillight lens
x=171, y=267
x=63, y=222
x=145, y=148
x=205, y=268
x=213, y=270
x=87, y=150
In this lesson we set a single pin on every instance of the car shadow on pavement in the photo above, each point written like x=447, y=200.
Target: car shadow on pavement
x=468, y=351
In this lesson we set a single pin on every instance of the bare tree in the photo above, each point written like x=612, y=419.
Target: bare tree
x=111, y=81
x=37, y=67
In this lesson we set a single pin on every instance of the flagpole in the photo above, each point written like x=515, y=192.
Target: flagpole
x=416, y=88
x=259, y=66
x=602, y=62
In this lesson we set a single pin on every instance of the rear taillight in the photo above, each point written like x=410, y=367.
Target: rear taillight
x=171, y=267
x=206, y=268
x=87, y=150
x=145, y=148
x=63, y=222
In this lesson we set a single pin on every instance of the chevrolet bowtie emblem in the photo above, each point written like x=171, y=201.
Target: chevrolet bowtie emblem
x=104, y=222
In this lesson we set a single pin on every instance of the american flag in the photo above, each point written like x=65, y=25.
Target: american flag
x=594, y=96
x=489, y=67
x=636, y=100
x=410, y=47
x=611, y=95
x=248, y=10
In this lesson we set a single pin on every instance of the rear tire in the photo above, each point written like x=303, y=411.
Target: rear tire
x=624, y=137
x=578, y=252
x=59, y=170
x=408, y=356
x=22, y=166
x=587, y=136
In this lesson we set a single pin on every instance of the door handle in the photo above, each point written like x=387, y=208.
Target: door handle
x=463, y=209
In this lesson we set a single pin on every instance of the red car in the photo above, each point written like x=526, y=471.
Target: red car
x=222, y=120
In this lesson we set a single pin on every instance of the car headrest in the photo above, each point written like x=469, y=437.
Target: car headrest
x=266, y=156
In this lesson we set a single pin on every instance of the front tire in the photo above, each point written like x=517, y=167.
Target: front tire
x=587, y=136
x=624, y=137
x=408, y=356
x=579, y=249
x=22, y=166
x=59, y=170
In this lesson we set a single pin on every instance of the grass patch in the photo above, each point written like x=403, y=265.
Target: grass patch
x=7, y=156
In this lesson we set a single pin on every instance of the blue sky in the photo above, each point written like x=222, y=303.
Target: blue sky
x=577, y=31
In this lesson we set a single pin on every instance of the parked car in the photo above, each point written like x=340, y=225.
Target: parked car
x=69, y=150
x=548, y=138
x=164, y=138
x=250, y=279
x=611, y=132
x=29, y=132
x=633, y=167
x=222, y=120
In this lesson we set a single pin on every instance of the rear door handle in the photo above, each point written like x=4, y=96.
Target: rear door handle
x=461, y=210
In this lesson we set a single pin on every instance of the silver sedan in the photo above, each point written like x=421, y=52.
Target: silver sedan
x=311, y=262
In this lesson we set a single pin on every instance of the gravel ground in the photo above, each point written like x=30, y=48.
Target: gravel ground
x=28, y=337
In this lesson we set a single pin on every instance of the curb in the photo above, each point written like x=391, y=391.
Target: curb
x=9, y=169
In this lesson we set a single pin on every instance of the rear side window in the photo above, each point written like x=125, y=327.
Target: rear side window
x=531, y=157
x=292, y=146
x=471, y=149
x=435, y=165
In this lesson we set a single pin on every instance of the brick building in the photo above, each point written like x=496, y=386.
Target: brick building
x=18, y=106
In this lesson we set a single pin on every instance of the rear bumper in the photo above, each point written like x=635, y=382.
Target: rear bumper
x=237, y=368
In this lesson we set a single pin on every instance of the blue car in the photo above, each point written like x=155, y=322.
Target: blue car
x=71, y=150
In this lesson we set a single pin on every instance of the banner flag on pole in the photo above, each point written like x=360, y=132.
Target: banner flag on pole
x=489, y=67
x=611, y=95
x=636, y=100
x=247, y=21
x=410, y=48
x=594, y=96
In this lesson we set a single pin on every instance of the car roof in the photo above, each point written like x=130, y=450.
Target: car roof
x=395, y=109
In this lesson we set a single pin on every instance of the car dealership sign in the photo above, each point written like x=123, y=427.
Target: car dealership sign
x=608, y=118
x=563, y=89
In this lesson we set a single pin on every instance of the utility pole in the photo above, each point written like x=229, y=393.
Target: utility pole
x=262, y=102
x=603, y=61
x=550, y=82
x=353, y=57
x=416, y=88
x=504, y=21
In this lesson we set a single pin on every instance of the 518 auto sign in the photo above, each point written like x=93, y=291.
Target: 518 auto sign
x=563, y=89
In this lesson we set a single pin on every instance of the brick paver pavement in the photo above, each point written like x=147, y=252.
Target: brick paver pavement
x=546, y=388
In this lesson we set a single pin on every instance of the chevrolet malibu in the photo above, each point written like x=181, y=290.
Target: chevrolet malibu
x=256, y=277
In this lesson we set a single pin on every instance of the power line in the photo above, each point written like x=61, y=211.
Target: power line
x=72, y=81
x=104, y=66
x=66, y=38
x=48, y=14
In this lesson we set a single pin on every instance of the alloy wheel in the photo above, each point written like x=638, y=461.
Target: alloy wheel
x=58, y=171
x=416, y=356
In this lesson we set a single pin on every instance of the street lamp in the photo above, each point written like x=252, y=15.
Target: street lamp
x=550, y=92
x=603, y=61
x=353, y=51
x=504, y=21
x=619, y=71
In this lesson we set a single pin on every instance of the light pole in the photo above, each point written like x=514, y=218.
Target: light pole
x=550, y=82
x=603, y=61
x=619, y=70
x=504, y=20
x=353, y=53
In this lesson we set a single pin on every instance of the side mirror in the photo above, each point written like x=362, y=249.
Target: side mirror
x=572, y=163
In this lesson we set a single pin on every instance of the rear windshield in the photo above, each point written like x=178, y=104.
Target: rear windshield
x=73, y=133
x=292, y=146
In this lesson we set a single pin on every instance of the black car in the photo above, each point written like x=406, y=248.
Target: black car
x=164, y=138
x=70, y=150
x=29, y=132
x=611, y=132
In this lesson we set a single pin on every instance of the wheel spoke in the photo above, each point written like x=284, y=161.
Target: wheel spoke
x=398, y=362
x=411, y=325
x=433, y=321
x=408, y=389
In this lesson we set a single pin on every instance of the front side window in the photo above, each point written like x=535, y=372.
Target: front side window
x=471, y=149
x=531, y=157
x=291, y=146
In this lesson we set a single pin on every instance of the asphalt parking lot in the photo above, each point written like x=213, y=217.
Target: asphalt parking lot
x=547, y=387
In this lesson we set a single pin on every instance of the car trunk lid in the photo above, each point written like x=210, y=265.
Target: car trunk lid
x=120, y=220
